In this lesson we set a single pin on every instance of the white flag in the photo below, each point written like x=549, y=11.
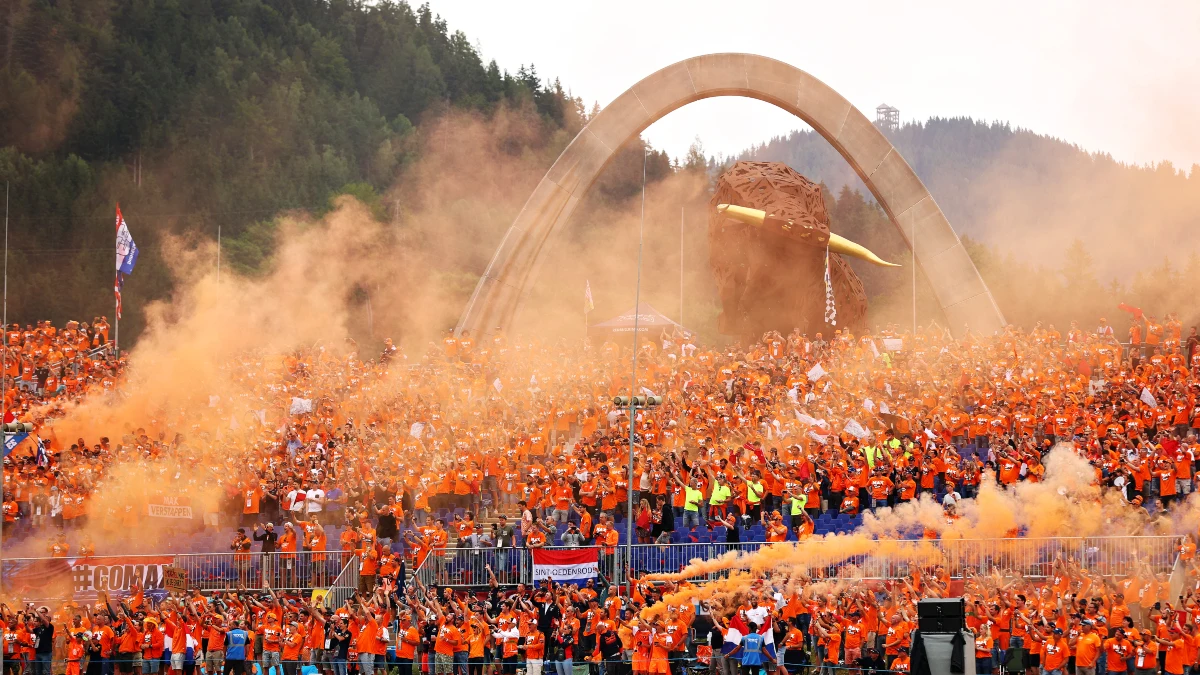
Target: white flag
x=1148, y=398
x=888, y=388
x=416, y=429
x=884, y=409
x=262, y=416
x=496, y=384
x=793, y=395
x=817, y=437
x=874, y=349
x=647, y=392
x=815, y=373
x=809, y=420
x=869, y=405
x=300, y=406
x=855, y=429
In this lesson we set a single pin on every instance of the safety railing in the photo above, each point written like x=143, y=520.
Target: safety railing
x=853, y=557
x=86, y=578
x=894, y=559
x=282, y=571
x=469, y=566
x=344, y=586
x=1038, y=557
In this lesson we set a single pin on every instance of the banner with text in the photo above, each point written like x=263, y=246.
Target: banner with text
x=575, y=565
x=169, y=506
x=82, y=578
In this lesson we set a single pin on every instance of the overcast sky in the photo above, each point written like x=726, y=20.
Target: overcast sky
x=1122, y=78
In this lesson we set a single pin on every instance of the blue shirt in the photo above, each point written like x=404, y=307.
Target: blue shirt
x=236, y=651
x=752, y=646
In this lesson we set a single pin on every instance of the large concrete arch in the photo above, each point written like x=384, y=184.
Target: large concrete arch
x=960, y=291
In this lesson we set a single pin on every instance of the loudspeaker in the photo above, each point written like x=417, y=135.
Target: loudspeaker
x=941, y=615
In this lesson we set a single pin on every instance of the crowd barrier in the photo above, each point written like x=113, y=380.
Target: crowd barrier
x=85, y=578
x=839, y=556
x=686, y=663
x=344, y=586
x=857, y=557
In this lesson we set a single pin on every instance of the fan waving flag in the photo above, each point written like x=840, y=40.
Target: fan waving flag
x=117, y=283
x=738, y=629
x=565, y=566
x=127, y=250
x=127, y=255
x=588, y=305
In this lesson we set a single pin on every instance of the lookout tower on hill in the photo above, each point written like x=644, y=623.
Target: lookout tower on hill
x=887, y=117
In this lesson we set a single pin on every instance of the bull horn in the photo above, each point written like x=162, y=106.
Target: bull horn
x=844, y=246
x=746, y=215
x=837, y=244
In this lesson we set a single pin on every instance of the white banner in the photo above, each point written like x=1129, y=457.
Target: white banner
x=855, y=429
x=169, y=506
x=164, y=511
x=1148, y=398
x=564, y=565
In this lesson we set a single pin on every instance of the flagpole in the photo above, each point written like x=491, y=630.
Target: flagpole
x=4, y=338
x=4, y=352
x=681, y=268
x=637, y=300
x=219, y=253
x=4, y=341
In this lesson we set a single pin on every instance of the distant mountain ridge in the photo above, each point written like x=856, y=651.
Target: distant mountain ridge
x=1018, y=190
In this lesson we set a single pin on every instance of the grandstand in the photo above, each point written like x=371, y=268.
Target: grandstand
x=909, y=461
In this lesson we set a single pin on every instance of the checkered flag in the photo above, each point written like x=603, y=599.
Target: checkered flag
x=81, y=576
x=830, y=309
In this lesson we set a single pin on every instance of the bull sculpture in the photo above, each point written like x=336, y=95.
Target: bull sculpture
x=769, y=242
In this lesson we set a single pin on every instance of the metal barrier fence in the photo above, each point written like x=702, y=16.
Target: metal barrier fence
x=894, y=559
x=281, y=571
x=469, y=566
x=85, y=578
x=841, y=557
x=344, y=586
x=45, y=578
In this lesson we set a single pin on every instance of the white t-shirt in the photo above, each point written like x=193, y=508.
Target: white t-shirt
x=312, y=500
x=295, y=499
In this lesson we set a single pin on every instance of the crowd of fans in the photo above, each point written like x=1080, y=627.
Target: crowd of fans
x=44, y=363
x=402, y=456
x=1073, y=620
x=775, y=433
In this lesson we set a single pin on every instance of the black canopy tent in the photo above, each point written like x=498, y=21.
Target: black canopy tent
x=649, y=321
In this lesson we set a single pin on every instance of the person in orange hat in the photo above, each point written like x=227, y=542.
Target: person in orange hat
x=776, y=530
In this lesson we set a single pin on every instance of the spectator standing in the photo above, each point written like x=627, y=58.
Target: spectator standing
x=572, y=537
